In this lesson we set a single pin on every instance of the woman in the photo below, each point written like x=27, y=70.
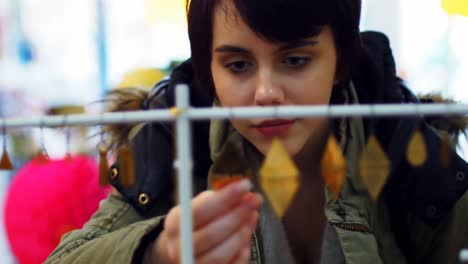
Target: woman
x=275, y=53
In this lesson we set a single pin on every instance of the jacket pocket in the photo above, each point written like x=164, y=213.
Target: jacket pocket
x=355, y=237
x=358, y=244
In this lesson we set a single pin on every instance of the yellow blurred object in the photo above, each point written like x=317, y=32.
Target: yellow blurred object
x=175, y=111
x=66, y=110
x=166, y=11
x=141, y=78
x=455, y=7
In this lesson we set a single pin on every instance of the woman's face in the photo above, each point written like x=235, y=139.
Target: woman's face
x=250, y=71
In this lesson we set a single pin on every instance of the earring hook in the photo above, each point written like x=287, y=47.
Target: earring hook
x=373, y=117
x=102, y=149
x=67, y=129
x=5, y=162
x=102, y=145
x=4, y=132
x=42, y=141
x=4, y=126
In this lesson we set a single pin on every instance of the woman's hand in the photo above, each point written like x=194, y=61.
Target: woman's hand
x=224, y=222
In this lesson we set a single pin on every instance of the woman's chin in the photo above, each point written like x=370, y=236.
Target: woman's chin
x=292, y=149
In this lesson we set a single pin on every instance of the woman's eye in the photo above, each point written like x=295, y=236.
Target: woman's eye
x=295, y=62
x=238, y=66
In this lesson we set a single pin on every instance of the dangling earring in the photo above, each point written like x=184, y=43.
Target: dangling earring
x=5, y=162
x=42, y=156
x=279, y=177
x=68, y=155
x=333, y=167
x=103, y=149
x=374, y=164
x=416, y=153
x=445, y=150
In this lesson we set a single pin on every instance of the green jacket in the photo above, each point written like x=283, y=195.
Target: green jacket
x=420, y=218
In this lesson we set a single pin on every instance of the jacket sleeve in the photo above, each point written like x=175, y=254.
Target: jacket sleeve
x=115, y=234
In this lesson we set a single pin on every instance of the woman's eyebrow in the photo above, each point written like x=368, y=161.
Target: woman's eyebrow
x=287, y=46
x=230, y=48
x=297, y=44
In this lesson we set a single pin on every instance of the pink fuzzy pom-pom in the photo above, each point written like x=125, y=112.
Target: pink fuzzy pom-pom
x=46, y=200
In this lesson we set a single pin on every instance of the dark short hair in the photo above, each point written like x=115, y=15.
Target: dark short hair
x=278, y=21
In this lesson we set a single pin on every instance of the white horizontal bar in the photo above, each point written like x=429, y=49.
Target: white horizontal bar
x=380, y=110
x=89, y=119
x=377, y=110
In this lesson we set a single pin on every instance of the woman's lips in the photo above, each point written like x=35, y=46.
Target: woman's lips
x=272, y=128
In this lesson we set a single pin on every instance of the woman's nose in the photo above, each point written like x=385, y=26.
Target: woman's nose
x=268, y=90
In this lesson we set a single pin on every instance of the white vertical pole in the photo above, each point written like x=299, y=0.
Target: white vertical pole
x=184, y=166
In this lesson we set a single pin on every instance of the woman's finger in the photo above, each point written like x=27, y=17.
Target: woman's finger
x=243, y=256
x=213, y=204
x=227, y=250
x=217, y=231
x=208, y=205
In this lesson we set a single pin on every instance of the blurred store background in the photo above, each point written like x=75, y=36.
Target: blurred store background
x=56, y=53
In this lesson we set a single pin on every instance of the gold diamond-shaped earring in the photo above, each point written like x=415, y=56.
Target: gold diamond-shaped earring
x=374, y=167
x=279, y=177
x=333, y=166
x=416, y=153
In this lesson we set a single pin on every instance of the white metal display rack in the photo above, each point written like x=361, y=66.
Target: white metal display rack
x=183, y=114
